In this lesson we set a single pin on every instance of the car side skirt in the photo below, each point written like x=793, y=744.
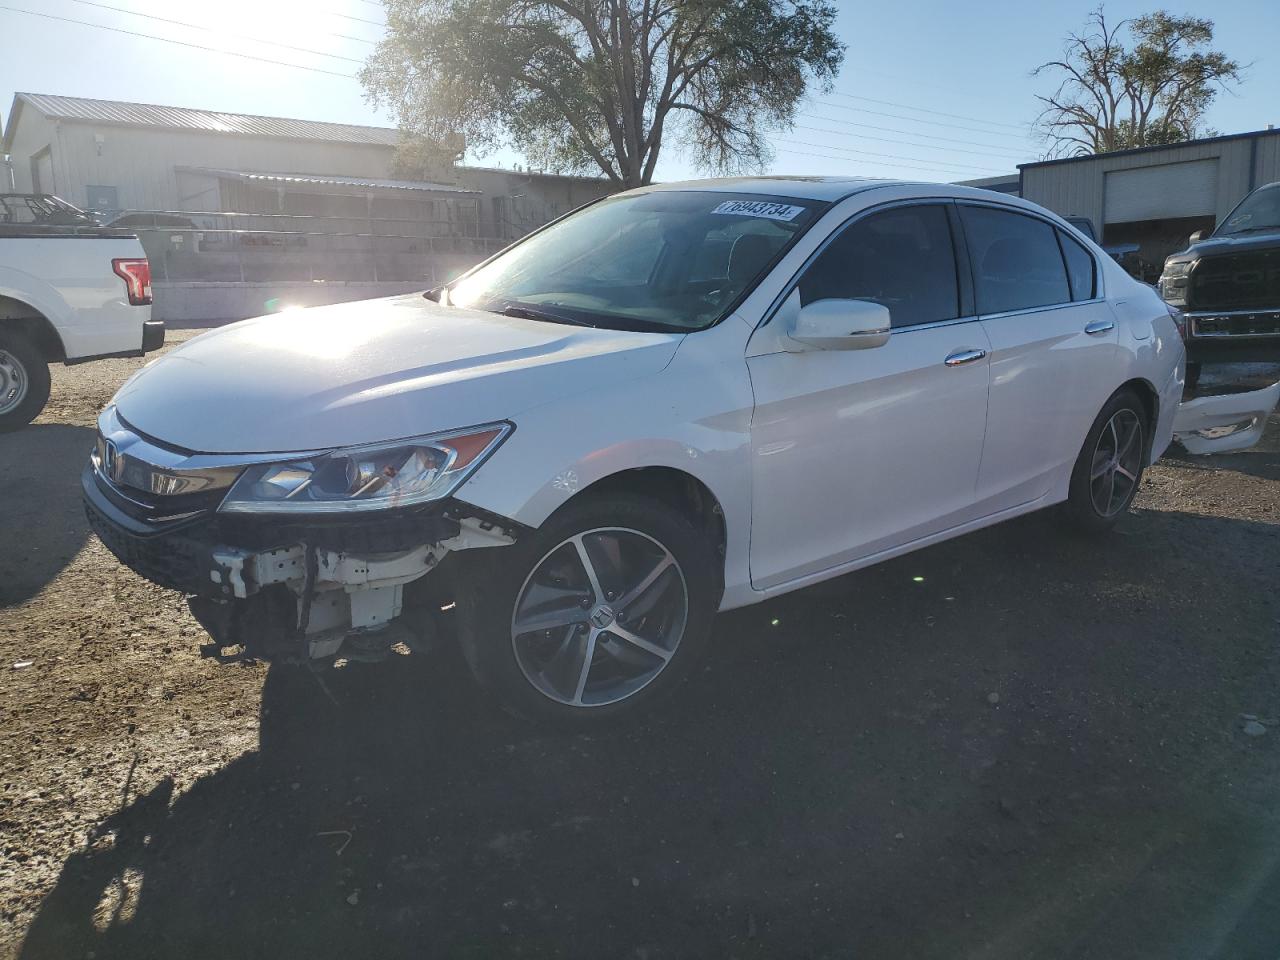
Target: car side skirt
x=740, y=597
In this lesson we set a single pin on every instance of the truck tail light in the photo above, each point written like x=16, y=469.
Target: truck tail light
x=136, y=275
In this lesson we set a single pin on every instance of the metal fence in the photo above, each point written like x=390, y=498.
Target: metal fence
x=265, y=247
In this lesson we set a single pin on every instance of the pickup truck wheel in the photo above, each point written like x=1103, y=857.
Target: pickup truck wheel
x=603, y=609
x=1109, y=469
x=24, y=381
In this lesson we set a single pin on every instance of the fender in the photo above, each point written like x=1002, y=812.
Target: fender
x=39, y=295
x=702, y=427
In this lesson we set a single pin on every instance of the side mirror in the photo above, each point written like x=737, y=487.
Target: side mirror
x=1197, y=236
x=841, y=325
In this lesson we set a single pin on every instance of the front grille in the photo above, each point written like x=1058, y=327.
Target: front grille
x=1237, y=281
x=152, y=481
x=155, y=509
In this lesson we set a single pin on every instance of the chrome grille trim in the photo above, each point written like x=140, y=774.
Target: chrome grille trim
x=129, y=460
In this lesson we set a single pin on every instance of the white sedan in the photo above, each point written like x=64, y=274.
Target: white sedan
x=678, y=400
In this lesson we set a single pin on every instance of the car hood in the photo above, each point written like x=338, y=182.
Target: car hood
x=371, y=371
x=1211, y=246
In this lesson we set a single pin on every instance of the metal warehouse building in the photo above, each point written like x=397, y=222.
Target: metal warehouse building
x=242, y=214
x=1156, y=196
x=112, y=156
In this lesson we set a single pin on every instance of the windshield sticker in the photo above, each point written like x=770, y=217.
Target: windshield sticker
x=759, y=208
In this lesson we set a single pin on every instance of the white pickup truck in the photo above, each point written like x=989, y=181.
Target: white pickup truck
x=70, y=291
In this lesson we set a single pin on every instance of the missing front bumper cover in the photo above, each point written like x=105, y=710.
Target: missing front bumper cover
x=294, y=591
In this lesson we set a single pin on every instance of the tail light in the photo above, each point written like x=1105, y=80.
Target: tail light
x=136, y=275
x=1179, y=319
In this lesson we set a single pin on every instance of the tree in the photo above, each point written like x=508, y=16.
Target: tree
x=1156, y=91
x=578, y=85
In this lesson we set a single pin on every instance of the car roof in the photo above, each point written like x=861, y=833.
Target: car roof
x=832, y=189
x=799, y=187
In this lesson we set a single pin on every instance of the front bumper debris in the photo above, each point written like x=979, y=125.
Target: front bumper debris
x=290, y=590
x=1221, y=424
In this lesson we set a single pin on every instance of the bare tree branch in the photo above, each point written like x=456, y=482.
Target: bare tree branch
x=1111, y=97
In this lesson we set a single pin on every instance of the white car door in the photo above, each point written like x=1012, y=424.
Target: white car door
x=858, y=451
x=1054, y=353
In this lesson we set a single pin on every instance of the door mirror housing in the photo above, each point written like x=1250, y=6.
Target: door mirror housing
x=841, y=325
x=1197, y=236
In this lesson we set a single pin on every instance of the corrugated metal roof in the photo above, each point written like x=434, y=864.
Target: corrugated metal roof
x=1181, y=144
x=210, y=121
x=327, y=180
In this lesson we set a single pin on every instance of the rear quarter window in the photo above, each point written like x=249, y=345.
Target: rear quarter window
x=1082, y=271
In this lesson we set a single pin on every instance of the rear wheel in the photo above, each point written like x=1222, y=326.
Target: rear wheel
x=600, y=611
x=1109, y=469
x=24, y=381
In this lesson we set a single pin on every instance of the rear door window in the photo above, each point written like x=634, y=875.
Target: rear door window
x=902, y=258
x=1017, y=264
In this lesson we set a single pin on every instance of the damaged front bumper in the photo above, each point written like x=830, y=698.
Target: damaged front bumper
x=301, y=589
x=1224, y=423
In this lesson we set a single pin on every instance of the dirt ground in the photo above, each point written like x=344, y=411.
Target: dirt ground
x=1013, y=745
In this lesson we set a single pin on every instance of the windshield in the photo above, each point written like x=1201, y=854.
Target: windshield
x=665, y=261
x=1257, y=212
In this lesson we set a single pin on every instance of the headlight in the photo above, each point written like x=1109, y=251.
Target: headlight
x=376, y=477
x=1173, y=282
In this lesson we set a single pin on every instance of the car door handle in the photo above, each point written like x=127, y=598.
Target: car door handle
x=961, y=357
x=1100, y=326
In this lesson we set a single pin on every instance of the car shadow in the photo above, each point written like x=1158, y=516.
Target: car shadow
x=1013, y=744
x=40, y=513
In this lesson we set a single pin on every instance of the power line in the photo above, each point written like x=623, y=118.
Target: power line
x=906, y=143
x=889, y=156
x=936, y=123
x=859, y=79
x=928, y=166
x=225, y=33
x=871, y=163
x=180, y=43
x=937, y=113
x=347, y=16
x=346, y=36
x=909, y=133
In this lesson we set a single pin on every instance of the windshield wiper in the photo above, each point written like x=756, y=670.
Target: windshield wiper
x=546, y=316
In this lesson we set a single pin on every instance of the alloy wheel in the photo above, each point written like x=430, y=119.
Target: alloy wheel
x=1117, y=462
x=13, y=382
x=600, y=617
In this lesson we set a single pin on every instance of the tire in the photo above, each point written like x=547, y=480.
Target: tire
x=24, y=381
x=1099, y=475
x=629, y=540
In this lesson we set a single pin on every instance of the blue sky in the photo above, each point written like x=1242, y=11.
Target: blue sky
x=930, y=89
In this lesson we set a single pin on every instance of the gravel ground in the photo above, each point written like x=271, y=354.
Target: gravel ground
x=1013, y=745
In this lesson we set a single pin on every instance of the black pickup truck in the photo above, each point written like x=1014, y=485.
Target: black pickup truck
x=1227, y=285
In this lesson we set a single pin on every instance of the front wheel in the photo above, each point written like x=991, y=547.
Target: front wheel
x=601, y=610
x=24, y=381
x=1109, y=468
